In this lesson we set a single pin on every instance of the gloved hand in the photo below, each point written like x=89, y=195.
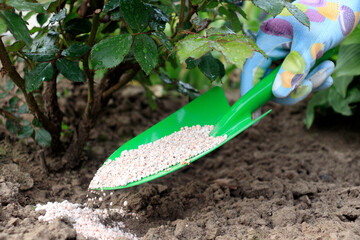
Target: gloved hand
x=285, y=37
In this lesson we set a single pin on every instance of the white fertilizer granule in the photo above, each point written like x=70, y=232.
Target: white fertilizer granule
x=86, y=221
x=154, y=157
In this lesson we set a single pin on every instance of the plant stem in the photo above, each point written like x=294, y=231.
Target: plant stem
x=9, y=116
x=88, y=72
x=20, y=83
x=182, y=12
x=124, y=79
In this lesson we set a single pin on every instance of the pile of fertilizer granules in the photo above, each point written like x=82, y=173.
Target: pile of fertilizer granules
x=86, y=221
x=154, y=157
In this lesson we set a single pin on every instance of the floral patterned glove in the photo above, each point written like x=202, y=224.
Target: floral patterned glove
x=285, y=37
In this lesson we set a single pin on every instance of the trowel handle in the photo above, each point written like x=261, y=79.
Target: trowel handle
x=260, y=94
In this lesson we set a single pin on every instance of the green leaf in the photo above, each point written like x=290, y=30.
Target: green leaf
x=111, y=51
x=3, y=27
x=188, y=90
x=11, y=127
x=298, y=14
x=219, y=31
x=192, y=46
x=111, y=5
x=25, y=131
x=59, y=16
x=211, y=67
x=23, y=109
x=166, y=79
x=164, y=40
x=42, y=18
x=116, y=15
x=273, y=7
x=40, y=56
x=9, y=85
x=16, y=46
x=70, y=70
x=77, y=26
x=159, y=20
x=235, y=50
x=22, y=5
x=136, y=14
x=42, y=137
x=341, y=84
x=342, y=105
x=16, y=26
x=238, y=9
x=200, y=23
x=76, y=50
x=320, y=99
x=353, y=38
x=192, y=63
x=34, y=79
x=36, y=122
x=348, y=61
x=232, y=18
x=13, y=102
x=145, y=52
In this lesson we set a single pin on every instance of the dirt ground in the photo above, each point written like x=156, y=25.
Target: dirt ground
x=276, y=180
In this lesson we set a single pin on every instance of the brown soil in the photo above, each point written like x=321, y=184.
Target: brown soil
x=276, y=180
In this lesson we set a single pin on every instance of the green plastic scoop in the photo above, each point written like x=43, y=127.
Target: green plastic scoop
x=211, y=108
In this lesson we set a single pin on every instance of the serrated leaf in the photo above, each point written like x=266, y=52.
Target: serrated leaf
x=16, y=26
x=164, y=40
x=111, y=5
x=23, y=5
x=16, y=46
x=76, y=50
x=341, y=84
x=158, y=20
x=70, y=70
x=192, y=46
x=219, y=31
x=34, y=79
x=211, y=67
x=298, y=14
x=273, y=7
x=25, y=131
x=348, y=61
x=200, y=23
x=136, y=14
x=145, y=52
x=192, y=63
x=40, y=56
x=59, y=16
x=77, y=26
x=3, y=27
x=42, y=137
x=111, y=51
x=235, y=51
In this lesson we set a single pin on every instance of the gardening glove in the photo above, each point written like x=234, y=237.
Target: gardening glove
x=285, y=37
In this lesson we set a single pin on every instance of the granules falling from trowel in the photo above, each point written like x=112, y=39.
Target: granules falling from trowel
x=156, y=156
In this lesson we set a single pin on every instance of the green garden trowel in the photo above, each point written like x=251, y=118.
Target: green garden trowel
x=211, y=108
